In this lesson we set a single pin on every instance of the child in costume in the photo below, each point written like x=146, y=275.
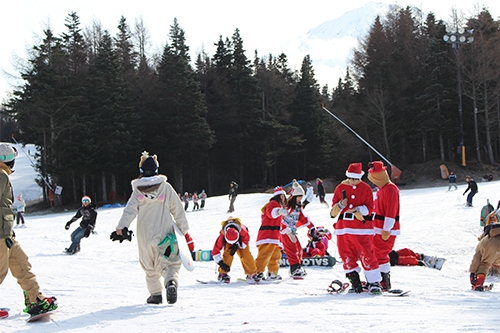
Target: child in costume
x=269, y=237
x=233, y=239
x=318, y=242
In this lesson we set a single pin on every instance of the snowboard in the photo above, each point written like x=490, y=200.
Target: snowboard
x=37, y=317
x=184, y=253
x=203, y=255
x=4, y=312
x=326, y=261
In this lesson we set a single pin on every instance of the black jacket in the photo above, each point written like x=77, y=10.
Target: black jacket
x=88, y=215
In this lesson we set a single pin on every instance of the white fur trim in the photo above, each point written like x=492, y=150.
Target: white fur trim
x=354, y=175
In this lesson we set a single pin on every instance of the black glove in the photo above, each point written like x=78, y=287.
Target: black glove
x=234, y=248
x=8, y=241
x=224, y=266
x=126, y=235
x=193, y=255
x=88, y=231
x=68, y=224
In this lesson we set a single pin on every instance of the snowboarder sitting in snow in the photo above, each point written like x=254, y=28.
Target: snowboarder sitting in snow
x=318, y=242
x=487, y=253
x=87, y=225
x=407, y=257
x=233, y=238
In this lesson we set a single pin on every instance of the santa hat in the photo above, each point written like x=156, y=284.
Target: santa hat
x=148, y=165
x=232, y=235
x=278, y=190
x=376, y=166
x=297, y=189
x=355, y=170
x=86, y=199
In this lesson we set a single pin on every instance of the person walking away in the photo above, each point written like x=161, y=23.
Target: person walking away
x=292, y=221
x=269, y=237
x=353, y=202
x=203, y=197
x=155, y=206
x=12, y=256
x=186, y=201
x=309, y=195
x=233, y=192
x=87, y=225
x=19, y=207
x=472, y=187
x=452, y=178
x=321, y=192
x=234, y=239
x=195, y=201
x=385, y=218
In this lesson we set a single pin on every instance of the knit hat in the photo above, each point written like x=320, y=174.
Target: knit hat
x=7, y=153
x=297, y=189
x=148, y=165
x=231, y=235
x=278, y=190
x=376, y=166
x=355, y=170
x=86, y=199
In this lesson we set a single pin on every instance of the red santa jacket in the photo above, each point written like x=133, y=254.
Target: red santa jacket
x=386, y=212
x=359, y=196
x=269, y=231
x=220, y=242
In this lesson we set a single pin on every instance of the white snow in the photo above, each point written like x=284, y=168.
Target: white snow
x=102, y=288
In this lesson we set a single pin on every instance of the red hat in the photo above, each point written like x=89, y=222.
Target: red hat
x=278, y=190
x=355, y=170
x=232, y=235
x=376, y=166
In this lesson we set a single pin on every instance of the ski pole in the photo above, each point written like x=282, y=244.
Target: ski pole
x=395, y=172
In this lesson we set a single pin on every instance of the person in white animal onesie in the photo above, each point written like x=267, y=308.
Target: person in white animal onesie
x=157, y=207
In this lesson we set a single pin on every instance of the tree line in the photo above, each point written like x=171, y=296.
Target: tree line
x=92, y=102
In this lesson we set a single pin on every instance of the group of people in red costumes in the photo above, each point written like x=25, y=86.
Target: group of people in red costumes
x=365, y=230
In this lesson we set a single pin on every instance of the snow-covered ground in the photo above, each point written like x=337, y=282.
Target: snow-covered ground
x=102, y=288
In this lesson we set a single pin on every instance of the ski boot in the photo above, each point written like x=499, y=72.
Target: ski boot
x=356, y=285
x=273, y=276
x=386, y=281
x=154, y=299
x=477, y=281
x=224, y=278
x=297, y=272
x=252, y=279
x=259, y=276
x=374, y=288
x=171, y=292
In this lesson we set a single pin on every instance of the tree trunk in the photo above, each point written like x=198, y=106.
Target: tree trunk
x=103, y=187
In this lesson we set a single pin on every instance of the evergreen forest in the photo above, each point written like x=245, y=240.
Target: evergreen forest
x=92, y=102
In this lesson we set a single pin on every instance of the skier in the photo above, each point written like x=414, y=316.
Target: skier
x=233, y=238
x=19, y=207
x=309, y=195
x=385, y=218
x=185, y=198
x=291, y=222
x=452, y=178
x=318, y=242
x=352, y=202
x=195, y=201
x=487, y=253
x=203, y=197
x=269, y=237
x=472, y=186
x=233, y=192
x=155, y=204
x=12, y=256
x=89, y=215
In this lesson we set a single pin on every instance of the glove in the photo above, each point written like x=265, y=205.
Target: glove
x=341, y=206
x=88, y=231
x=224, y=266
x=126, y=235
x=385, y=235
x=9, y=243
x=234, y=248
x=67, y=225
x=193, y=255
x=283, y=211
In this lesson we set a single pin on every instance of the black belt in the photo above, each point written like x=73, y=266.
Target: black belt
x=380, y=217
x=268, y=227
x=346, y=216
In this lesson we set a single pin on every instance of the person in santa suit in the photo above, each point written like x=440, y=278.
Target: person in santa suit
x=385, y=218
x=233, y=239
x=269, y=237
x=294, y=220
x=353, y=203
x=318, y=242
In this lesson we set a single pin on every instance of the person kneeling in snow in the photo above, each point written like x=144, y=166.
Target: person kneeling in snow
x=157, y=207
x=234, y=238
x=487, y=253
x=318, y=242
